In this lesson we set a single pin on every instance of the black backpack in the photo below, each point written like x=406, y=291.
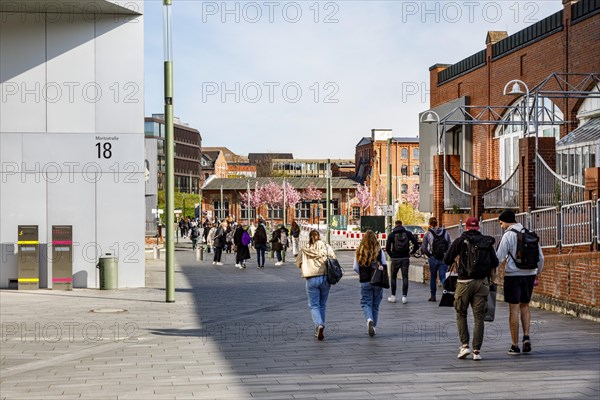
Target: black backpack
x=477, y=256
x=401, y=241
x=528, y=249
x=194, y=233
x=439, y=246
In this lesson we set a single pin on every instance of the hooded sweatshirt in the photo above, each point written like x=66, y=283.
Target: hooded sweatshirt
x=314, y=259
x=508, y=244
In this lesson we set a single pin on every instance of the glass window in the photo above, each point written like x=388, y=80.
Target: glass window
x=404, y=188
x=274, y=212
x=355, y=212
x=221, y=212
x=302, y=210
x=416, y=170
x=416, y=154
x=404, y=153
x=244, y=212
x=404, y=170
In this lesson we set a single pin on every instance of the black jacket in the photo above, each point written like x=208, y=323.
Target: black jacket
x=456, y=249
x=389, y=246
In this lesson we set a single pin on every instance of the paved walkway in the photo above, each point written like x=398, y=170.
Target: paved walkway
x=246, y=334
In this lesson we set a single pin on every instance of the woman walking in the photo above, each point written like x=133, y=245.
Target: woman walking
x=260, y=243
x=241, y=240
x=312, y=260
x=369, y=256
x=295, y=236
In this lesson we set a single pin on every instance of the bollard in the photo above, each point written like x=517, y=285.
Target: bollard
x=201, y=253
x=156, y=253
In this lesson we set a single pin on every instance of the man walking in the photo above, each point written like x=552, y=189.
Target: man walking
x=477, y=260
x=521, y=274
x=398, y=248
x=435, y=245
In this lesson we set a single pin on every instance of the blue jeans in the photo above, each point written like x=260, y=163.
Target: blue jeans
x=260, y=254
x=370, y=298
x=436, y=267
x=317, y=289
x=278, y=255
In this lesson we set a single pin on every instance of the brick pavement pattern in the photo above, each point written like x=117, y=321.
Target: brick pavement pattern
x=247, y=334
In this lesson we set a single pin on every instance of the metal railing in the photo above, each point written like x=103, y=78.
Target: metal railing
x=551, y=189
x=492, y=228
x=545, y=224
x=504, y=196
x=455, y=230
x=465, y=178
x=577, y=223
x=455, y=197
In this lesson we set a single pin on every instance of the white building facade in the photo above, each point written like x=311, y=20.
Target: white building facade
x=72, y=134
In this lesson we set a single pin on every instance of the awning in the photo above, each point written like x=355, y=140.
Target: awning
x=585, y=134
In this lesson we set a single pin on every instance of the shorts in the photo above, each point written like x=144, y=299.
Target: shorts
x=518, y=289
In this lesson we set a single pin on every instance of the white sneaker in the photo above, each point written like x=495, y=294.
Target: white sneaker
x=214, y=263
x=476, y=355
x=463, y=352
x=238, y=265
x=392, y=299
x=219, y=263
x=404, y=300
x=278, y=263
x=371, y=327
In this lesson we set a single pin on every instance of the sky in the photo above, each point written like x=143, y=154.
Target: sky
x=312, y=78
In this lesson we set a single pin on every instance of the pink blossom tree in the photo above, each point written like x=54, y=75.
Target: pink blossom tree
x=271, y=194
x=292, y=196
x=311, y=193
x=412, y=197
x=363, y=195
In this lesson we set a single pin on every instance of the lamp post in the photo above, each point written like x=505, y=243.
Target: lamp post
x=284, y=208
x=389, y=184
x=429, y=119
x=248, y=201
x=328, y=200
x=169, y=152
x=516, y=91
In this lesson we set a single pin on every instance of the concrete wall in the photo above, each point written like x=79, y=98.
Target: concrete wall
x=70, y=82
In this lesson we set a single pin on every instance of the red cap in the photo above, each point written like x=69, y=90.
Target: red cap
x=472, y=223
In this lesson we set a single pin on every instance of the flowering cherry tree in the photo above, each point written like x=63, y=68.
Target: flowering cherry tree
x=363, y=195
x=311, y=193
x=292, y=196
x=412, y=197
x=271, y=194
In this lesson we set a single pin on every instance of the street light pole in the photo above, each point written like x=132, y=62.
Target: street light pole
x=169, y=153
x=328, y=205
x=389, y=184
x=248, y=201
x=284, y=208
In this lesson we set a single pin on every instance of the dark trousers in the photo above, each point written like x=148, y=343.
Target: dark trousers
x=218, y=252
x=260, y=254
x=397, y=265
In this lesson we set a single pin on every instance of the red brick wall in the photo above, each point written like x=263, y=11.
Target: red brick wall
x=569, y=283
x=574, y=49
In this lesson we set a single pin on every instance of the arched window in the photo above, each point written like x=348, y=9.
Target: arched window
x=404, y=153
x=549, y=116
x=404, y=170
x=416, y=170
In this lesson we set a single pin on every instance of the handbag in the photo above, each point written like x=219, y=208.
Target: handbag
x=334, y=271
x=380, y=278
x=491, y=304
x=449, y=287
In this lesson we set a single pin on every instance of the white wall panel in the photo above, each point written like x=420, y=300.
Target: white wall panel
x=11, y=151
x=125, y=152
x=120, y=226
x=22, y=73
x=71, y=87
x=120, y=65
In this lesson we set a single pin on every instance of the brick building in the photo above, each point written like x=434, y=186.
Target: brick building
x=371, y=160
x=480, y=157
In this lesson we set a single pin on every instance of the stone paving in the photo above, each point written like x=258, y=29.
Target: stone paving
x=247, y=334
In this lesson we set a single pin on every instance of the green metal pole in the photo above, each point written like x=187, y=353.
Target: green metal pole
x=170, y=156
x=328, y=205
x=284, y=209
x=389, y=183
